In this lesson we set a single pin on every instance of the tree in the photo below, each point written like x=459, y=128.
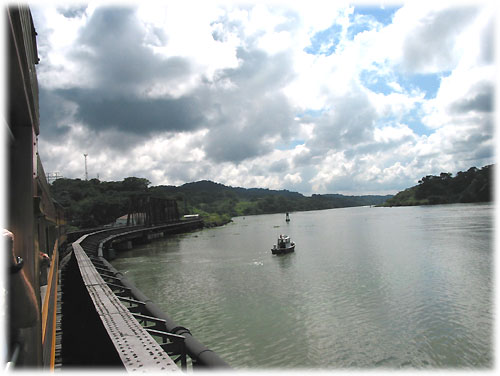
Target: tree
x=474, y=185
x=135, y=184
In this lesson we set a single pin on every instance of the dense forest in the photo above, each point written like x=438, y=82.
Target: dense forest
x=92, y=203
x=474, y=185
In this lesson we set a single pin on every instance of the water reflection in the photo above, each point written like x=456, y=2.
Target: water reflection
x=285, y=261
x=400, y=287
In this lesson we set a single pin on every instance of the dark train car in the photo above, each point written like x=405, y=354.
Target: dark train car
x=35, y=224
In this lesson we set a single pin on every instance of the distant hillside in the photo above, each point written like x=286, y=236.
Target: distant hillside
x=474, y=185
x=213, y=199
x=93, y=203
x=347, y=201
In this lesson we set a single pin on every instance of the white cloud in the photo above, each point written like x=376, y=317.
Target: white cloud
x=397, y=133
x=293, y=178
x=217, y=93
x=394, y=104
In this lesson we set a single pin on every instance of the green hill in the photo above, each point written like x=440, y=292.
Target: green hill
x=218, y=203
x=94, y=203
x=474, y=185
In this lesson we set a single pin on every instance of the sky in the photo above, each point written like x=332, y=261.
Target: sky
x=314, y=97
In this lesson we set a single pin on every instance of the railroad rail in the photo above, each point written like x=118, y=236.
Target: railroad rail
x=128, y=329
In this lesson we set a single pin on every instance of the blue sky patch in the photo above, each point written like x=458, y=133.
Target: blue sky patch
x=428, y=83
x=358, y=25
x=413, y=119
x=291, y=145
x=311, y=113
x=383, y=15
x=325, y=42
x=365, y=18
x=375, y=82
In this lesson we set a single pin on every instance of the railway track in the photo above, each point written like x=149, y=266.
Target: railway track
x=154, y=341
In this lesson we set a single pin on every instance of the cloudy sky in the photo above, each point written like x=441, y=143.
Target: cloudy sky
x=314, y=97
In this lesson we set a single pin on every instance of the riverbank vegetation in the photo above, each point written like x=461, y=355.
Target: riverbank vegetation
x=95, y=203
x=473, y=185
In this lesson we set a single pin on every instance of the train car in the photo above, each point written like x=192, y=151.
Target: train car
x=35, y=224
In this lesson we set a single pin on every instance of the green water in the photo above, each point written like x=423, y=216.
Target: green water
x=365, y=288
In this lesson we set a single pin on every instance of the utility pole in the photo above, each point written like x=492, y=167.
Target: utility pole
x=86, y=172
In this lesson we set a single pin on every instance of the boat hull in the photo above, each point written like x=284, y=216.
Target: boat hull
x=279, y=251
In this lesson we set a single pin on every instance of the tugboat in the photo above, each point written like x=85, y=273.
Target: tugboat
x=285, y=245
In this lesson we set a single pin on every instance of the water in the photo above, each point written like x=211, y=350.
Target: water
x=365, y=288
